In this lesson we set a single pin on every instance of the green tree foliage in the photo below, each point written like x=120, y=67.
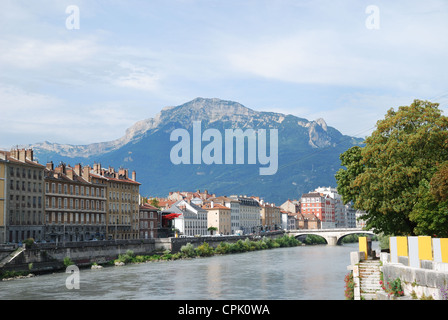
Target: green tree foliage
x=390, y=177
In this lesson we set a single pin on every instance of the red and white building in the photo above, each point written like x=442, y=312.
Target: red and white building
x=321, y=205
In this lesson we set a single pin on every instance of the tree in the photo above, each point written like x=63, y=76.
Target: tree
x=211, y=229
x=389, y=177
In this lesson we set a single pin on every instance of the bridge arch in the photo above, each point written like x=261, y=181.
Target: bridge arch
x=332, y=236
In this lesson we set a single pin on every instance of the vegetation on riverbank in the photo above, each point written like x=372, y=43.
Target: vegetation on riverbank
x=205, y=250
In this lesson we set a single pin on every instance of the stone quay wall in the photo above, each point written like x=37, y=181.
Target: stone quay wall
x=49, y=257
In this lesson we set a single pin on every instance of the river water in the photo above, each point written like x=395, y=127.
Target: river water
x=299, y=273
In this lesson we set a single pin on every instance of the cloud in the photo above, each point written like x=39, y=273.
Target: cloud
x=136, y=77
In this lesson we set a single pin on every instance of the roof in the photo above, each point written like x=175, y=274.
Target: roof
x=147, y=206
x=208, y=206
x=27, y=161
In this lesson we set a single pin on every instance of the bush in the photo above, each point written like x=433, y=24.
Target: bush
x=188, y=250
x=68, y=261
x=349, y=286
x=28, y=243
x=204, y=250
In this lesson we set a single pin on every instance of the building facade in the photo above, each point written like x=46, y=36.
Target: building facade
x=192, y=220
x=250, y=219
x=218, y=216
x=122, y=193
x=270, y=216
x=75, y=207
x=234, y=207
x=149, y=221
x=322, y=206
x=23, y=196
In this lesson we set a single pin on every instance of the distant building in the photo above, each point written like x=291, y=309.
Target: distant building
x=218, y=216
x=289, y=220
x=308, y=221
x=21, y=196
x=149, y=222
x=340, y=212
x=270, y=216
x=321, y=205
x=292, y=206
x=250, y=218
x=234, y=206
x=192, y=219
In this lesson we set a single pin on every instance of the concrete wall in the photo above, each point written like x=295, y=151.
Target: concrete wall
x=425, y=281
x=49, y=257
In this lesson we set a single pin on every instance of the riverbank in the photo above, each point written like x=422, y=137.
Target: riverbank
x=205, y=250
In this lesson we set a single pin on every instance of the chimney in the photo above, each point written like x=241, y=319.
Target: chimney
x=70, y=173
x=22, y=155
x=123, y=172
x=212, y=205
x=50, y=166
x=134, y=175
x=78, y=169
x=29, y=154
x=86, y=173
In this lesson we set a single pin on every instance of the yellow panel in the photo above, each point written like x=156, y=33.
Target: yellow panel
x=424, y=248
x=363, y=246
x=402, y=246
x=444, y=249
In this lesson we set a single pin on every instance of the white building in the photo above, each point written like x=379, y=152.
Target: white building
x=192, y=220
x=250, y=216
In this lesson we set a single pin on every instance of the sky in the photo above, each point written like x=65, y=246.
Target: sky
x=79, y=72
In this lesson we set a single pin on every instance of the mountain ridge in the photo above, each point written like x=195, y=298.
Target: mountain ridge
x=308, y=152
x=198, y=110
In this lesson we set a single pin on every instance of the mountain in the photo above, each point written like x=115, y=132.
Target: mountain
x=308, y=152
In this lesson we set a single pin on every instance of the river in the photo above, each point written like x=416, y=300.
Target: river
x=299, y=273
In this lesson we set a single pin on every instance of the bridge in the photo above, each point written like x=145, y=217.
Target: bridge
x=332, y=236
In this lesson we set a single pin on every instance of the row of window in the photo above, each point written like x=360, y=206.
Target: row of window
x=25, y=218
x=65, y=203
x=74, y=217
x=25, y=173
x=25, y=186
x=75, y=190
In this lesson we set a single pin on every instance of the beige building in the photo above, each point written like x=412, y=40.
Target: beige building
x=122, y=193
x=21, y=196
x=270, y=216
x=218, y=216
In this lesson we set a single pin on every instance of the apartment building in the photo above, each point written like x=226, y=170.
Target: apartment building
x=270, y=216
x=250, y=219
x=234, y=206
x=192, y=219
x=149, y=221
x=218, y=216
x=75, y=204
x=322, y=206
x=22, y=213
x=122, y=193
